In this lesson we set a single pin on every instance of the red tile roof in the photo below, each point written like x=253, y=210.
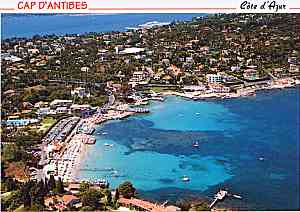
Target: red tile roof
x=68, y=198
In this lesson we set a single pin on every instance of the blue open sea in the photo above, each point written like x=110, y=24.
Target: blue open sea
x=248, y=145
x=30, y=25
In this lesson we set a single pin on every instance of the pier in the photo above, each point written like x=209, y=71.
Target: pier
x=221, y=195
x=138, y=110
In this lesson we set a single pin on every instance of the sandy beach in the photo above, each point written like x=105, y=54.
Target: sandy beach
x=68, y=161
x=75, y=171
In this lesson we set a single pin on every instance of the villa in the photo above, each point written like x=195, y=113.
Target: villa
x=80, y=92
x=138, y=76
x=250, y=74
x=57, y=202
x=213, y=78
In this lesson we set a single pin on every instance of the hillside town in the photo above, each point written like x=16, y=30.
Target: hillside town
x=56, y=89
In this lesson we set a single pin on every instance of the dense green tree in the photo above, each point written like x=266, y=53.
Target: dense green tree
x=12, y=201
x=109, y=197
x=10, y=184
x=87, y=208
x=25, y=193
x=203, y=206
x=84, y=186
x=38, y=193
x=59, y=186
x=127, y=190
x=51, y=183
x=91, y=198
x=46, y=185
x=2, y=169
x=117, y=195
x=183, y=204
x=9, y=153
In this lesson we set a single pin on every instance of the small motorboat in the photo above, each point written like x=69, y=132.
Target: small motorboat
x=185, y=179
x=108, y=145
x=104, y=133
x=197, y=113
x=196, y=144
x=261, y=158
x=237, y=196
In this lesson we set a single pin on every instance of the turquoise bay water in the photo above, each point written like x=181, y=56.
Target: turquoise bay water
x=155, y=150
x=153, y=170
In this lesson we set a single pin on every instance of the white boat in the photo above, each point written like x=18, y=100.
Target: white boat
x=237, y=196
x=104, y=133
x=196, y=144
x=185, y=179
x=197, y=113
x=109, y=145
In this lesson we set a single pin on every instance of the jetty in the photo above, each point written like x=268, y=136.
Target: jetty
x=219, y=196
x=138, y=110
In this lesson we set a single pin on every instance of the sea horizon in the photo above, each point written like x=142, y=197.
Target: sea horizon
x=29, y=25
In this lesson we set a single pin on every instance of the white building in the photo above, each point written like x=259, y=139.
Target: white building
x=62, y=110
x=60, y=103
x=189, y=59
x=80, y=92
x=43, y=111
x=132, y=50
x=294, y=68
x=235, y=68
x=213, y=78
x=85, y=69
x=138, y=76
